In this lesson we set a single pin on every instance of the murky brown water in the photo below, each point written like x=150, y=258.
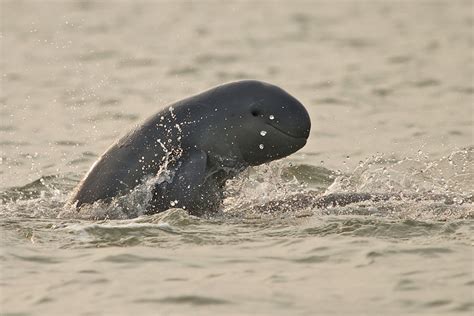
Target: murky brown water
x=389, y=87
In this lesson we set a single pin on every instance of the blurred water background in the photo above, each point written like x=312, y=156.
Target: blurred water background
x=389, y=87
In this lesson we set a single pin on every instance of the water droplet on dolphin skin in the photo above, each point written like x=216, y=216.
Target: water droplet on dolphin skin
x=261, y=146
x=271, y=117
x=263, y=133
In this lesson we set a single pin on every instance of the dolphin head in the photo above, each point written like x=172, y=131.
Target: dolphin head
x=268, y=123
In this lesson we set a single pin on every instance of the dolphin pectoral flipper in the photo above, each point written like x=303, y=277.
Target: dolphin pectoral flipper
x=189, y=176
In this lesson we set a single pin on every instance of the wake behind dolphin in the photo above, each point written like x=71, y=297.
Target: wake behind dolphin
x=195, y=145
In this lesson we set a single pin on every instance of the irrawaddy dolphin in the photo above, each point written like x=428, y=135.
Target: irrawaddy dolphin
x=194, y=145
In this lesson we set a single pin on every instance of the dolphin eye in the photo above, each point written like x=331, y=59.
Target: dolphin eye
x=255, y=112
x=256, y=109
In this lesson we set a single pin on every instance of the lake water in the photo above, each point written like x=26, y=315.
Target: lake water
x=389, y=87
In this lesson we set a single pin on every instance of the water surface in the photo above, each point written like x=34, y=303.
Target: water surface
x=389, y=87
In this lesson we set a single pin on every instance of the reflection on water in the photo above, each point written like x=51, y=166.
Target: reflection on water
x=389, y=90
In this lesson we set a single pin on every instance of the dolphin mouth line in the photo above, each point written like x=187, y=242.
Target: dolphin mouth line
x=286, y=133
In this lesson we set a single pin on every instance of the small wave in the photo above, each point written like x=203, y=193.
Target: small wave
x=185, y=299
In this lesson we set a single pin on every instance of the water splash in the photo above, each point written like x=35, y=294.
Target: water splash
x=418, y=188
x=259, y=186
x=410, y=188
x=450, y=175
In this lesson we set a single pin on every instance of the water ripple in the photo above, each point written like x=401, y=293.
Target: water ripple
x=185, y=299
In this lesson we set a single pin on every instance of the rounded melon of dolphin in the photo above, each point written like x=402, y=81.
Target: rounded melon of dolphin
x=194, y=145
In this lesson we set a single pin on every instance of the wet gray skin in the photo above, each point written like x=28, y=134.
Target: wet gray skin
x=196, y=144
